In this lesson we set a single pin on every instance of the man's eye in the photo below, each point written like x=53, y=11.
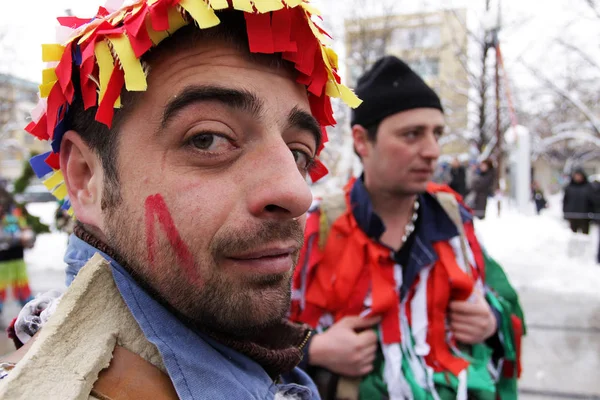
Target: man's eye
x=210, y=142
x=303, y=160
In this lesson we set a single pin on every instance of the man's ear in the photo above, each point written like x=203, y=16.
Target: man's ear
x=82, y=170
x=361, y=140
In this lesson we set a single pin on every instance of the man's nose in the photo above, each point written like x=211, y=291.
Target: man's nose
x=277, y=188
x=430, y=148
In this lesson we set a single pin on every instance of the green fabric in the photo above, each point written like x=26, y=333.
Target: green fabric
x=13, y=273
x=505, y=299
x=507, y=389
x=373, y=386
x=496, y=279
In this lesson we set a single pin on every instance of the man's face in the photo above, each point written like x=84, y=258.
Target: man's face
x=578, y=177
x=212, y=167
x=403, y=156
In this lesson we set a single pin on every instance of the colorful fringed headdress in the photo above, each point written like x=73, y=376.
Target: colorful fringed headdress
x=105, y=52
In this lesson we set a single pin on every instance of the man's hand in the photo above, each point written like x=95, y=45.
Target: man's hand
x=472, y=321
x=347, y=348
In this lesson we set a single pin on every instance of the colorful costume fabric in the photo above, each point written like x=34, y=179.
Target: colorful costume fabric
x=352, y=273
x=13, y=271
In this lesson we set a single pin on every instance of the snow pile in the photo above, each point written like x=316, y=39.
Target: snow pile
x=540, y=251
x=45, y=265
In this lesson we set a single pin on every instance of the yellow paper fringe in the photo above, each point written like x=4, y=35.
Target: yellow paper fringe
x=54, y=180
x=49, y=76
x=45, y=89
x=52, y=52
x=265, y=6
x=243, y=5
x=155, y=36
x=219, y=4
x=135, y=79
x=176, y=20
x=201, y=12
x=106, y=64
x=60, y=192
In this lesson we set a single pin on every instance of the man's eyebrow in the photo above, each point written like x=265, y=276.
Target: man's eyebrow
x=300, y=119
x=238, y=99
x=421, y=127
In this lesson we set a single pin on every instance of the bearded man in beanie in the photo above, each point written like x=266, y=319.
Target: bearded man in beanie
x=182, y=133
x=405, y=303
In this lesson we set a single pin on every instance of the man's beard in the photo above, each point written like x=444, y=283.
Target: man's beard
x=240, y=306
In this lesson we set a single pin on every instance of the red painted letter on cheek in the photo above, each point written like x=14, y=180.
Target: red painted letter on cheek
x=156, y=207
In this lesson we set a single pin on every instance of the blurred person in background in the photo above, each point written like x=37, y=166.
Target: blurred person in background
x=15, y=237
x=595, y=190
x=538, y=197
x=577, y=202
x=404, y=302
x=482, y=187
x=458, y=177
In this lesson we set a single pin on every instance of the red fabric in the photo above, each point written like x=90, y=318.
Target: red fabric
x=319, y=76
x=72, y=22
x=281, y=25
x=306, y=42
x=320, y=107
x=133, y=23
x=476, y=249
x=140, y=43
x=39, y=129
x=106, y=109
x=159, y=16
x=260, y=35
x=317, y=171
x=440, y=293
x=53, y=160
x=56, y=99
x=63, y=72
x=22, y=292
x=512, y=369
x=88, y=69
x=12, y=334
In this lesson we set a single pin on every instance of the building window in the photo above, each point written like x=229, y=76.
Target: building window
x=419, y=37
x=426, y=67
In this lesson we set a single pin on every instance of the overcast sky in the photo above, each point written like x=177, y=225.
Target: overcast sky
x=531, y=26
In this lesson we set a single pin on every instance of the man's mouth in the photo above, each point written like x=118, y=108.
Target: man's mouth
x=272, y=259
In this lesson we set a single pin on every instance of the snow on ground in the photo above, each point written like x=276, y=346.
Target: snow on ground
x=45, y=264
x=540, y=251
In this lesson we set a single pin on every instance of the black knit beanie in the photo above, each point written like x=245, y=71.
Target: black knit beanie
x=389, y=88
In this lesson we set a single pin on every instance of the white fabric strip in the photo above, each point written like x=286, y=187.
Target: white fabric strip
x=455, y=242
x=420, y=320
x=398, y=387
x=39, y=110
x=461, y=393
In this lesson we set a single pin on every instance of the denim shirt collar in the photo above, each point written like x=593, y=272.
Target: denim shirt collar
x=199, y=367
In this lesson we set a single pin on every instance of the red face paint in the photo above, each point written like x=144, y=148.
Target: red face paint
x=157, y=208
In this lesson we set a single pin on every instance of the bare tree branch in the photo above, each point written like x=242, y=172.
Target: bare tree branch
x=579, y=105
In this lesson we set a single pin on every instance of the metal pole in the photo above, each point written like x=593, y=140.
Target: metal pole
x=499, y=152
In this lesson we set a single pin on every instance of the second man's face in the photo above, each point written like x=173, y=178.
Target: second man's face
x=403, y=157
